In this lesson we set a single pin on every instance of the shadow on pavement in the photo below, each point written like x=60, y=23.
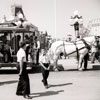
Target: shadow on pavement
x=61, y=84
x=47, y=93
x=8, y=82
x=71, y=70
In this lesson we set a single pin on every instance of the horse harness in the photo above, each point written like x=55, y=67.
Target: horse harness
x=66, y=54
x=86, y=45
x=77, y=50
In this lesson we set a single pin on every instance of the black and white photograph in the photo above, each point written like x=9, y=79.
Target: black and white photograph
x=49, y=49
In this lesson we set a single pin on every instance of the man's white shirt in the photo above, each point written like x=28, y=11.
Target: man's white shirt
x=21, y=54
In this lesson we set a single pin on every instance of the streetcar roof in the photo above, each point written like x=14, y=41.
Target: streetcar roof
x=14, y=29
x=5, y=28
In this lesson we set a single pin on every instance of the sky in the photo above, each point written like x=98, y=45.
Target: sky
x=53, y=15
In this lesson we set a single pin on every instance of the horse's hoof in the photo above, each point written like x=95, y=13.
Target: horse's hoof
x=56, y=70
x=80, y=69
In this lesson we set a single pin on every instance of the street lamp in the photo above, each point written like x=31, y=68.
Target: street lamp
x=76, y=21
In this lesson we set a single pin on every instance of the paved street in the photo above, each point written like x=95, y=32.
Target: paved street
x=64, y=85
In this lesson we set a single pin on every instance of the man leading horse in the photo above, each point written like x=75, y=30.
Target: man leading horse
x=80, y=47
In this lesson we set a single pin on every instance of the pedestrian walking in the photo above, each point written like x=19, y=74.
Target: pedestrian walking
x=23, y=87
x=45, y=66
x=95, y=51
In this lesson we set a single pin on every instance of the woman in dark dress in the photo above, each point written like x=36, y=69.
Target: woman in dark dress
x=23, y=87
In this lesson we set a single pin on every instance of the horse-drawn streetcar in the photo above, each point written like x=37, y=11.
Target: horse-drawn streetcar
x=10, y=39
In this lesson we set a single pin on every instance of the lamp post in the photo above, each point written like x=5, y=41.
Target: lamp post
x=76, y=21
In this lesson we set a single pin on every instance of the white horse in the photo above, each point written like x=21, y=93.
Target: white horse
x=80, y=47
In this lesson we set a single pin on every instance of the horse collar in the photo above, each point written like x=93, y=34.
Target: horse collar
x=86, y=45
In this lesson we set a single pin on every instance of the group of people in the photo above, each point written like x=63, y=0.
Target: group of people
x=5, y=48
x=32, y=49
x=10, y=47
x=23, y=87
